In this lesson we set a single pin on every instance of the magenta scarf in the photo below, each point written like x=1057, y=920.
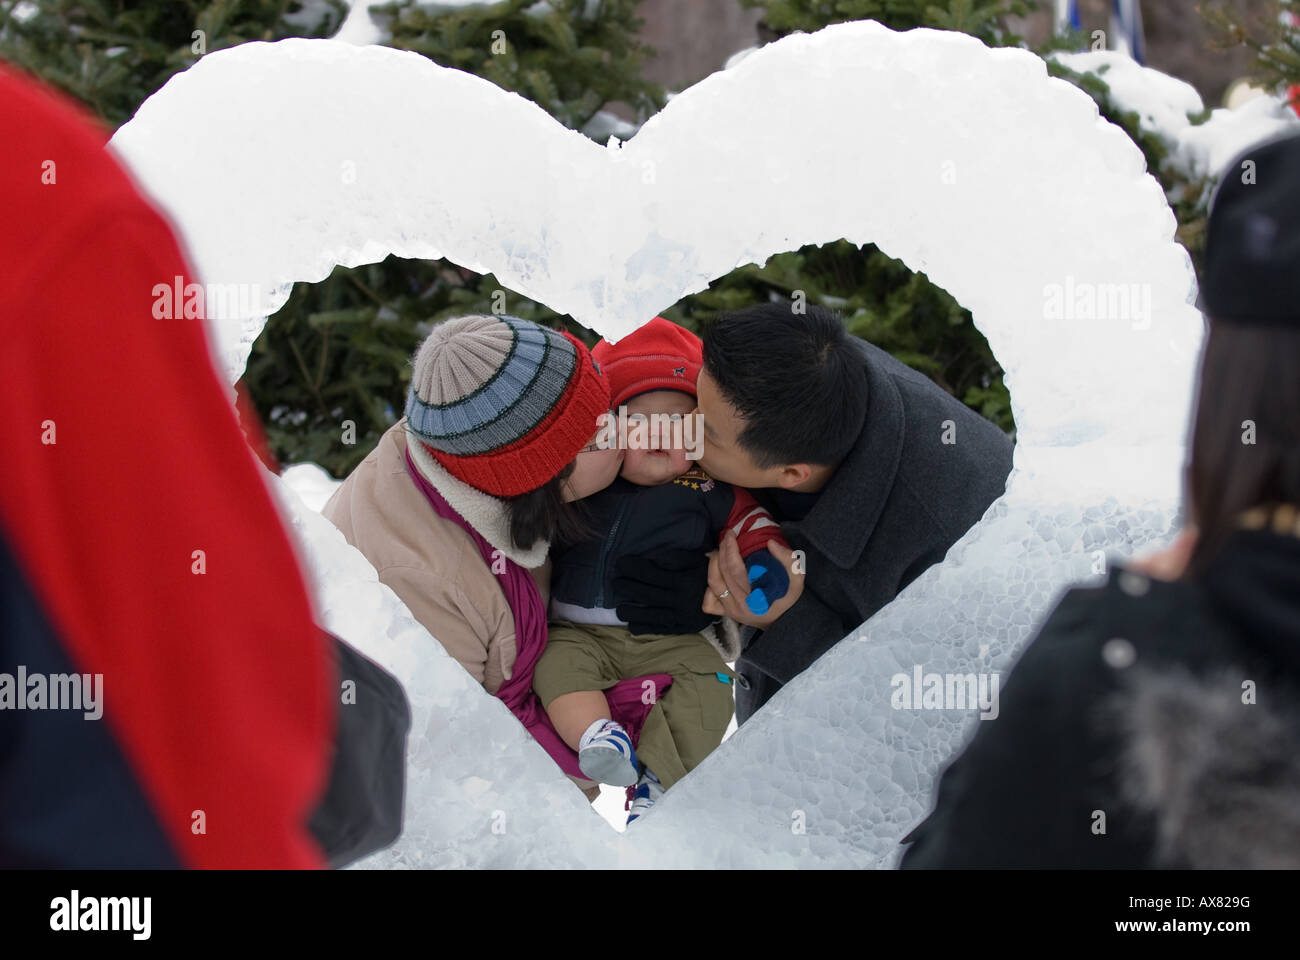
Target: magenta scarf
x=626, y=702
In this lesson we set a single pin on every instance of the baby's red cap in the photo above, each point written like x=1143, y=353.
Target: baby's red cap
x=659, y=356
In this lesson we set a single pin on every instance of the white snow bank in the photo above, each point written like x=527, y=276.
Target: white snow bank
x=311, y=483
x=965, y=162
x=359, y=27
x=1162, y=102
x=1165, y=106
x=736, y=57
x=1206, y=149
x=605, y=124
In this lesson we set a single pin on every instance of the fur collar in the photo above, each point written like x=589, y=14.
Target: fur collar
x=725, y=638
x=1218, y=776
x=485, y=513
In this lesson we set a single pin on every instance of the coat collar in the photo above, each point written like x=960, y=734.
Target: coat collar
x=485, y=513
x=845, y=515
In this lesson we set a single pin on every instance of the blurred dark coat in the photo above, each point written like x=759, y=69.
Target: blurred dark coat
x=1166, y=708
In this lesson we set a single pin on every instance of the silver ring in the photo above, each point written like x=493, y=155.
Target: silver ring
x=724, y=594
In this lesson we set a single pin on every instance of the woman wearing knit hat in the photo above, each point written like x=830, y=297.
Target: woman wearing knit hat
x=1152, y=721
x=456, y=506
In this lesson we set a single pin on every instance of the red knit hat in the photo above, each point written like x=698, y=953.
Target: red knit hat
x=659, y=356
x=504, y=404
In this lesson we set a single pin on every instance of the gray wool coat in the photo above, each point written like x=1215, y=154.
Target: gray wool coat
x=894, y=506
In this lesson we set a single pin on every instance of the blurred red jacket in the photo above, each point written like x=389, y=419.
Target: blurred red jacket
x=139, y=547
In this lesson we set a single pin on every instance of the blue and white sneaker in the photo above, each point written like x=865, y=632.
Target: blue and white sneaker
x=607, y=756
x=648, y=790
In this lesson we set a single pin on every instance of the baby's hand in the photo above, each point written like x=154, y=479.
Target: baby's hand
x=729, y=583
x=767, y=579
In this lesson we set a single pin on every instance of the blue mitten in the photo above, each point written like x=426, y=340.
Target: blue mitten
x=768, y=581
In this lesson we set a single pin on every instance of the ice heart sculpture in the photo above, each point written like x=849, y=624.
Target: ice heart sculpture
x=278, y=161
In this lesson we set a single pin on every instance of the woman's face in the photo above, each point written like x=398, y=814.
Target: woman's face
x=594, y=469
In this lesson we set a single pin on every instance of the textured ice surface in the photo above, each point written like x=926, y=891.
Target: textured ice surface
x=966, y=162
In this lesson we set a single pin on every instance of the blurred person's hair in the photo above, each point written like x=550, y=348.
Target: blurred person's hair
x=1247, y=373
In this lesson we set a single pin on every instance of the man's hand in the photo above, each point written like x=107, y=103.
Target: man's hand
x=729, y=584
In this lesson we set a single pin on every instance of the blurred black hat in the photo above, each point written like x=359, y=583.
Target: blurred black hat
x=1252, y=249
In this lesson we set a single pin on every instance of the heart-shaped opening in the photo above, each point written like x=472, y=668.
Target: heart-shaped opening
x=360, y=326
x=965, y=162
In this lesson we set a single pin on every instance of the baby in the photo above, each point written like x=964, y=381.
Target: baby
x=660, y=502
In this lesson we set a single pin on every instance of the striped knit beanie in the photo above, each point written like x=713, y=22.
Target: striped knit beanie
x=502, y=403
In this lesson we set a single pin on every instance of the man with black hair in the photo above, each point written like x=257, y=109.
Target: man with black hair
x=873, y=470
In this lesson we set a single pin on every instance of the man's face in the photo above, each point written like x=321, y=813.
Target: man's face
x=723, y=458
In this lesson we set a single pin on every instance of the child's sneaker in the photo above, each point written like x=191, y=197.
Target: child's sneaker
x=605, y=755
x=648, y=790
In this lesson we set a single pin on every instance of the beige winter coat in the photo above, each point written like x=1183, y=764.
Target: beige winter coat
x=431, y=563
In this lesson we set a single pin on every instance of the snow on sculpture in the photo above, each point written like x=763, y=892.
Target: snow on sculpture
x=278, y=161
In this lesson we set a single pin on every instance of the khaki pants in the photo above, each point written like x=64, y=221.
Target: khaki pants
x=687, y=723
